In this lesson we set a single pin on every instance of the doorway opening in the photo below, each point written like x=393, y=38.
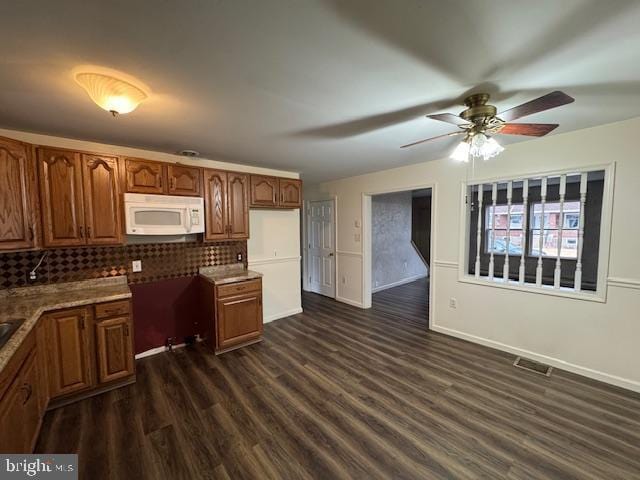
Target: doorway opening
x=320, y=232
x=397, y=246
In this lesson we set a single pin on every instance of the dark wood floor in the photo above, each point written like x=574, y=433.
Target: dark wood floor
x=338, y=392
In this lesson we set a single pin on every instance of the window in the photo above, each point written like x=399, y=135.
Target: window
x=551, y=234
x=499, y=237
x=519, y=234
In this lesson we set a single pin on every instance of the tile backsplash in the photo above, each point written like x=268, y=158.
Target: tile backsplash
x=159, y=261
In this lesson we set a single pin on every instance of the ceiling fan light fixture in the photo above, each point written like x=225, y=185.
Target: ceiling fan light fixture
x=461, y=152
x=484, y=147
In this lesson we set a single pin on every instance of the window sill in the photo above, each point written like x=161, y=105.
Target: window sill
x=596, y=296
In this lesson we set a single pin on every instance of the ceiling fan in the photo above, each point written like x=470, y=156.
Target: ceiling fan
x=480, y=122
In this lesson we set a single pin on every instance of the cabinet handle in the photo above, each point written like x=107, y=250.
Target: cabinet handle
x=173, y=183
x=126, y=330
x=81, y=231
x=281, y=197
x=29, y=389
x=89, y=232
x=82, y=323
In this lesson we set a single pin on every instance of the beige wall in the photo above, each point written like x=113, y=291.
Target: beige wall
x=595, y=339
x=274, y=244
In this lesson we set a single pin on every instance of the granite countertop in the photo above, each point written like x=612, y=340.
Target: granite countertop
x=228, y=274
x=31, y=302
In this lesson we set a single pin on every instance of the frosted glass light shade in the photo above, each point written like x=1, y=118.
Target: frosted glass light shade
x=484, y=147
x=110, y=93
x=461, y=153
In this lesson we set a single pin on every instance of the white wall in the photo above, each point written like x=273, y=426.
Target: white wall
x=274, y=251
x=394, y=260
x=594, y=339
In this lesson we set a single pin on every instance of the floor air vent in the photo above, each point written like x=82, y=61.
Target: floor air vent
x=532, y=366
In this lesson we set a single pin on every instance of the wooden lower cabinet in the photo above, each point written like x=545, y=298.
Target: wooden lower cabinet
x=239, y=319
x=21, y=411
x=70, y=365
x=234, y=314
x=114, y=349
x=67, y=356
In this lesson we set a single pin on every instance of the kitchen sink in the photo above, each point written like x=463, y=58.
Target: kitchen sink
x=8, y=328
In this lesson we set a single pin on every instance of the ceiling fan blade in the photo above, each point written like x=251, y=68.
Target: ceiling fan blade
x=546, y=102
x=432, y=138
x=448, y=118
x=529, y=129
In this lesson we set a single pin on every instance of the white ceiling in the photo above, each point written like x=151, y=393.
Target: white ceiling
x=329, y=88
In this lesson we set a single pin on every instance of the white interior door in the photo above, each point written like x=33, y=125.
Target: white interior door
x=321, y=247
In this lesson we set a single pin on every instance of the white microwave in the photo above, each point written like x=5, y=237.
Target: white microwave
x=163, y=214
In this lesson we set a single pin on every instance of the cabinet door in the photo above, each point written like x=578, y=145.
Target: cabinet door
x=113, y=346
x=101, y=200
x=290, y=192
x=144, y=176
x=13, y=438
x=239, y=319
x=18, y=197
x=31, y=413
x=70, y=367
x=238, y=205
x=61, y=199
x=264, y=191
x=215, y=205
x=183, y=180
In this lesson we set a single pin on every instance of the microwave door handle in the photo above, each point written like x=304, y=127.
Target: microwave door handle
x=189, y=224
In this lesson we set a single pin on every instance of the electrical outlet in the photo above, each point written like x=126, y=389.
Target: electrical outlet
x=404, y=265
x=356, y=237
x=453, y=303
x=136, y=266
x=377, y=283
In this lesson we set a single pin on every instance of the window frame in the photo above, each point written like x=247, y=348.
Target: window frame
x=600, y=294
x=531, y=230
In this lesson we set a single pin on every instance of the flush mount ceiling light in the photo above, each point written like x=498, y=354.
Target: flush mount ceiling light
x=114, y=92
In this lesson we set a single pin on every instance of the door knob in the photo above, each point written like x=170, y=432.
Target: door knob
x=331, y=254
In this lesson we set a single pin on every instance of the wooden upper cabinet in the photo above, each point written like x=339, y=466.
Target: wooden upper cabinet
x=144, y=176
x=238, y=205
x=290, y=192
x=102, y=200
x=264, y=191
x=215, y=205
x=114, y=349
x=184, y=180
x=60, y=175
x=18, y=198
x=69, y=347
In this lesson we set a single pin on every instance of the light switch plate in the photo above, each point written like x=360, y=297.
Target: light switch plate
x=136, y=266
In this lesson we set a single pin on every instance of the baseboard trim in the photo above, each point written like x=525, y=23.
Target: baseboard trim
x=279, y=315
x=349, y=302
x=554, y=362
x=156, y=350
x=399, y=282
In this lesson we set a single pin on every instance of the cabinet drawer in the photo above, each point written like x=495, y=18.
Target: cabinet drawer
x=238, y=288
x=112, y=309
